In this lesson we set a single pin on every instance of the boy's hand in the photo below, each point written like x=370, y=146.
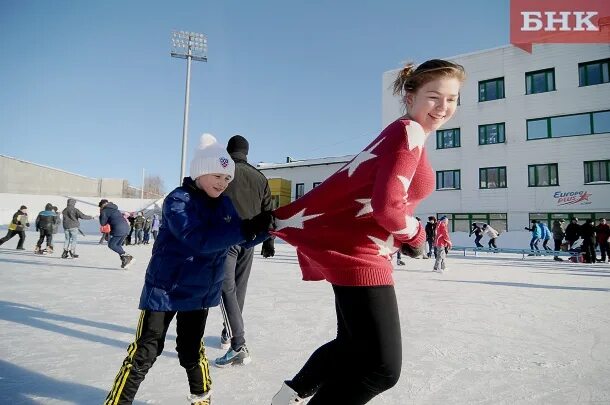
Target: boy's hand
x=412, y=251
x=260, y=223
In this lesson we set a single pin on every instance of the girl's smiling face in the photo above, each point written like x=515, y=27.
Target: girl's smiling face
x=434, y=103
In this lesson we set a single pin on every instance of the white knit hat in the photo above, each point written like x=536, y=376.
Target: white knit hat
x=211, y=157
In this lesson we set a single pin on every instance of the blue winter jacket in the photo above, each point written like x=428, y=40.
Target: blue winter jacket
x=536, y=230
x=186, y=271
x=545, y=231
x=111, y=215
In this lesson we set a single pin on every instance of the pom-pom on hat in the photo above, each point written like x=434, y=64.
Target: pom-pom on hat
x=211, y=157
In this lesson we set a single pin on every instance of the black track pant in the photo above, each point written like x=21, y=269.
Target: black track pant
x=45, y=234
x=150, y=338
x=12, y=233
x=365, y=358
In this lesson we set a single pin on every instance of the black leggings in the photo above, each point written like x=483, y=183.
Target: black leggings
x=364, y=359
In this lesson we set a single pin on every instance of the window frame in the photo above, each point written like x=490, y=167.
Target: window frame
x=549, y=132
x=456, y=135
x=588, y=171
x=480, y=217
x=585, y=67
x=498, y=125
x=530, y=75
x=316, y=184
x=529, y=183
x=499, y=169
x=454, y=171
x=296, y=190
x=483, y=98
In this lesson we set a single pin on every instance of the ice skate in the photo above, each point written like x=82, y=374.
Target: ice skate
x=286, y=396
x=64, y=255
x=38, y=250
x=400, y=263
x=126, y=261
x=73, y=254
x=49, y=249
x=202, y=399
x=232, y=357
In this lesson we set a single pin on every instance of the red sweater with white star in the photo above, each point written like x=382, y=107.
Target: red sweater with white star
x=346, y=228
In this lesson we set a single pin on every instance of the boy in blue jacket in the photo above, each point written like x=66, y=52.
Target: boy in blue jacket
x=185, y=274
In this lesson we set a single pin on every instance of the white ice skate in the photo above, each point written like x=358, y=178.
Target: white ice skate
x=203, y=399
x=286, y=396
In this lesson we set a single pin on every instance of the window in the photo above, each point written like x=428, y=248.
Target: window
x=299, y=190
x=550, y=217
x=589, y=123
x=596, y=72
x=316, y=184
x=491, y=89
x=448, y=180
x=542, y=175
x=540, y=81
x=462, y=222
x=597, y=171
x=448, y=138
x=492, y=177
x=491, y=133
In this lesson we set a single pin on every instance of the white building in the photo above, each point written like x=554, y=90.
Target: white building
x=530, y=139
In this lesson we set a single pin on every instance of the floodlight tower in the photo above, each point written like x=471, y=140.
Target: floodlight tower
x=189, y=46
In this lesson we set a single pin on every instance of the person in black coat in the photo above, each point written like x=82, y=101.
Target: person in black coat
x=572, y=232
x=45, y=221
x=250, y=194
x=478, y=234
x=587, y=233
x=431, y=235
x=119, y=229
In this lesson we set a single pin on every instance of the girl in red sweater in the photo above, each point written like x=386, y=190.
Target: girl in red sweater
x=345, y=231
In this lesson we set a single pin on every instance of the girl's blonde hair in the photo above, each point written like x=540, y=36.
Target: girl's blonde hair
x=410, y=78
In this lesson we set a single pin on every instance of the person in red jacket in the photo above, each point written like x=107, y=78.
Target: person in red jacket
x=347, y=238
x=442, y=244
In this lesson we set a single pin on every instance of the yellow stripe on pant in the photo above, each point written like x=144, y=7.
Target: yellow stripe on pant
x=205, y=368
x=121, y=378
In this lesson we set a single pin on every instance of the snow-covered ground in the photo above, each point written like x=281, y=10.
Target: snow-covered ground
x=492, y=330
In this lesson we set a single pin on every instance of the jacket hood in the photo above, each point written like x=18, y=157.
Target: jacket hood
x=111, y=206
x=239, y=156
x=71, y=202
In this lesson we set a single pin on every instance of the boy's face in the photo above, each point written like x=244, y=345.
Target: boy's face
x=213, y=184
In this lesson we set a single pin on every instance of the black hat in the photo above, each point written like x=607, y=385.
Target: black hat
x=102, y=202
x=23, y=207
x=238, y=144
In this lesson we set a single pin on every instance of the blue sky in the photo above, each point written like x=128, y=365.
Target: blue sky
x=89, y=86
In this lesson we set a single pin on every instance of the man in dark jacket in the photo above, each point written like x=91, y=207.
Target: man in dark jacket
x=558, y=235
x=17, y=227
x=119, y=229
x=71, y=225
x=430, y=236
x=138, y=228
x=572, y=232
x=603, y=236
x=44, y=224
x=587, y=233
x=251, y=195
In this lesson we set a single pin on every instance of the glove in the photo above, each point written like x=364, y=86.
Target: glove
x=268, y=249
x=412, y=251
x=260, y=223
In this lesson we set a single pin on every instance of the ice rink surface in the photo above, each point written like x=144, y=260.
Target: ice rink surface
x=493, y=329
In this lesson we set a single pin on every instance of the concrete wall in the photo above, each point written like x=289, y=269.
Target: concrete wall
x=518, y=200
x=23, y=177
